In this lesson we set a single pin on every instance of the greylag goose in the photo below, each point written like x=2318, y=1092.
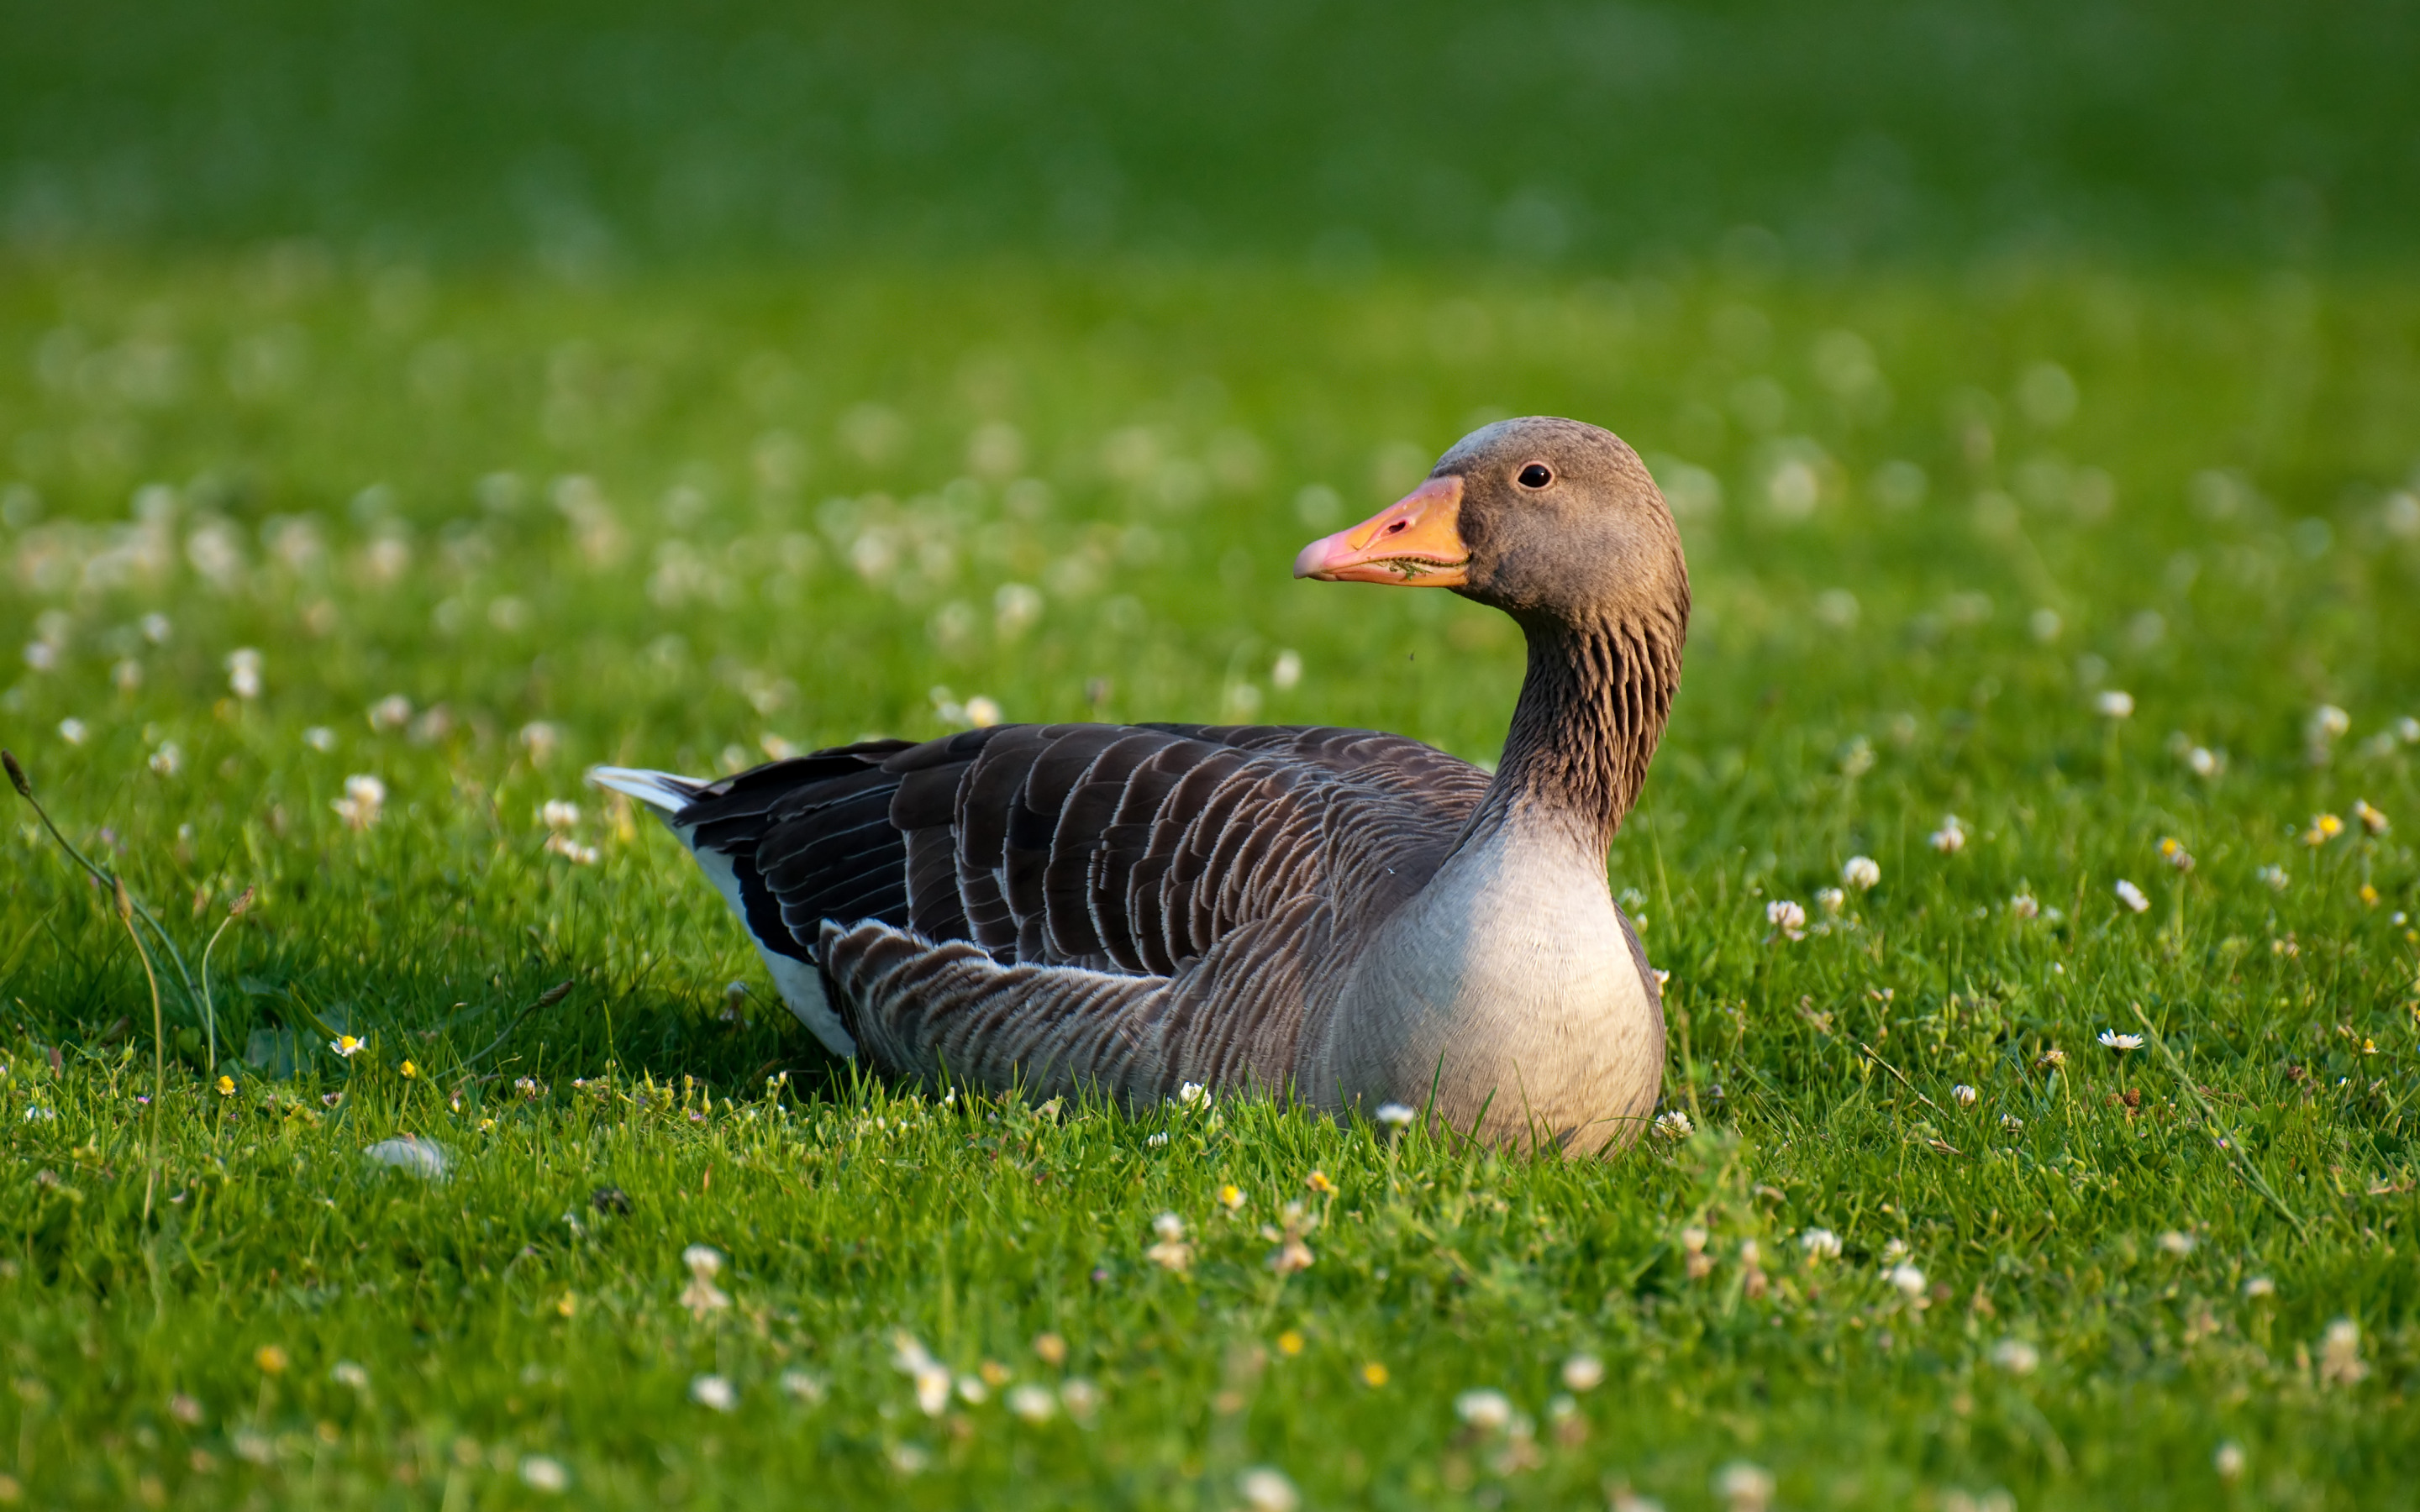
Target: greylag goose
x=1349, y=918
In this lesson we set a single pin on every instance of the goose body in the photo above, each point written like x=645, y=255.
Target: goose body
x=1348, y=918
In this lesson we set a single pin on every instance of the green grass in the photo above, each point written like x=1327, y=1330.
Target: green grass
x=628, y=133
x=796, y=526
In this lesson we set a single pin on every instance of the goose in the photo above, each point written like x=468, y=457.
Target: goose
x=1348, y=919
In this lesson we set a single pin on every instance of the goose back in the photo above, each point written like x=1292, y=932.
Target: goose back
x=1121, y=849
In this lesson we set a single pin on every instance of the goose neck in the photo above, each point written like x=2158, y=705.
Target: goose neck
x=1591, y=710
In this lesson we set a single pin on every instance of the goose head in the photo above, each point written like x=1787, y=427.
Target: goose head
x=1549, y=521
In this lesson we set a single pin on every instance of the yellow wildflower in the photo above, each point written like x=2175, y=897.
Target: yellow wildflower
x=410, y=1071
x=1231, y=1196
x=1318, y=1182
x=1290, y=1342
x=227, y=1087
x=1374, y=1374
x=270, y=1359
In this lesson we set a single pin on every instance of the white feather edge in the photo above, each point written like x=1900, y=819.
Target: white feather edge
x=800, y=982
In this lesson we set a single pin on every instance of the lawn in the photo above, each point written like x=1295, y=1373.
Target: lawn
x=2042, y=586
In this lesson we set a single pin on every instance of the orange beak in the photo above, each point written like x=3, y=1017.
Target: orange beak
x=1416, y=542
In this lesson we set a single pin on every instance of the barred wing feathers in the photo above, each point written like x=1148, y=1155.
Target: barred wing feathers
x=1121, y=849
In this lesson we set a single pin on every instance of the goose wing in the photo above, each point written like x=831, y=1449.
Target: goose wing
x=1124, y=849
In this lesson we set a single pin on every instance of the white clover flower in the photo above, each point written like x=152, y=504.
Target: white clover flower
x=1675, y=1125
x=2328, y=722
x=1862, y=873
x=364, y=802
x=1820, y=1243
x=1159, y=1140
x=1907, y=1278
x=320, y=738
x=2273, y=875
x=542, y=1473
x=571, y=850
x=1287, y=672
x=1395, y=1114
x=1787, y=917
x=2257, y=1288
x=243, y=672
x=2371, y=819
x=2177, y=1244
x=1964, y=1095
x=2132, y=896
x=2203, y=762
x=349, y=1373
x=802, y=1386
x=1951, y=838
x=713, y=1391
x=1080, y=1397
x=392, y=711
x=702, y=1296
x=169, y=759
x=2120, y=1042
x=2340, y=1361
x=557, y=814
x=2024, y=905
x=1172, y=1253
x=2228, y=1460
x=1831, y=899
x=1265, y=1490
x=932, y=1390
x=1033, y=1403
x=1745, y=1488
x=2016, y=1357
x=972, y=1391
x=71, y=729
x=2010, y=1123
x=1583, y=1372
x=1192, y=1095
x=2115, y=704
x=1485, y=1410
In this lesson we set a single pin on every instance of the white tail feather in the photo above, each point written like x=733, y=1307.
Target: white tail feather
x=662, y=791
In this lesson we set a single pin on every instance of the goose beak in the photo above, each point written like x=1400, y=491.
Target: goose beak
x=1416, y=542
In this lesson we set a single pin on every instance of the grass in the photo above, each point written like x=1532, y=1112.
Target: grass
x=623, y=133
x=483, y=531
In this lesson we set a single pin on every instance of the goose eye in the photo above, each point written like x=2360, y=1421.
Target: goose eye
x=1536, y=475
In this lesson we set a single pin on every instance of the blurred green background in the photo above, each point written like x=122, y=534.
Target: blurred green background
x=597, y=135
